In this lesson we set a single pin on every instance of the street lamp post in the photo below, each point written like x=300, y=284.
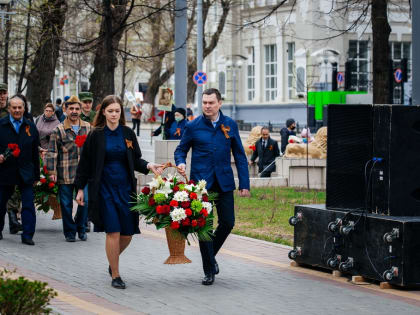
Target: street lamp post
x=235, y=64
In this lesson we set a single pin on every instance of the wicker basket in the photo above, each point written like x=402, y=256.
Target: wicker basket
x=176, y=242
x=55, y=205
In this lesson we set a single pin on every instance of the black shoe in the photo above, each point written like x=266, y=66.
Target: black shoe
x=110, y=270
x=216, y=268
x=82, y=236
x=14, y=224
x=208, y=279
x=87, y=228
x=117, y=283
x=1, y=235
x=27, y=241
x=70, y=239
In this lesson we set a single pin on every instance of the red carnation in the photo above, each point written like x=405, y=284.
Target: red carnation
x=194, y=223
x=51, y=185
x=185, y=204
x=145, y=190
x=252, y=147
x=181, y=183
x=12, y=146
x=175, y=189
x=45, y=169
x=201, y=222
x=191, y=182
x=205, y=198
x=193, y=195
x=204, y=212
x=188, y=212
x=152, y=119
x=166, y=209
x=43, y=180
x=173, y=203
x=161, y=113
x=16, y=152
x=291, y=141
x=152, y=201
x=80, y=140
x=175, y=225
x=159, y=209
x=186, y=222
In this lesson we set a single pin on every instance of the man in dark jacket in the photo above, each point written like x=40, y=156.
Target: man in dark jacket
x=22, y=170
x=266, y=150
x=286, y=132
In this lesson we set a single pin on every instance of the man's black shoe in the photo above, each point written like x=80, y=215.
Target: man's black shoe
x=216, y=268
x=14, y=224
x=70, y=239
x=208, y=279
x=1, y=235
x=118, y=283
x=27, y=241
x=87, y=228
x=82, y=236
x=110, y=270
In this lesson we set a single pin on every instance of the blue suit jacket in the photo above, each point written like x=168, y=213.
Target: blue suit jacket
x=211, y=158
x=27, y=164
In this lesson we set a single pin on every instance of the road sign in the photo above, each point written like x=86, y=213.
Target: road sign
x=340, y=77
x=398, y=75
x=200, y=78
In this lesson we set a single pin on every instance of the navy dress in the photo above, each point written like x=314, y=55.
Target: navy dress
x=115, y=189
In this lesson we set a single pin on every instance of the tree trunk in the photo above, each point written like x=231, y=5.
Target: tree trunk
x=40, y=79
x=112, y=29
x=6, y=48
x=124, y=66
x=381, y=54
x=25, y=51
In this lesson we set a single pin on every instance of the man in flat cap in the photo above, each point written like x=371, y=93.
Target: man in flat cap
x=87, y=114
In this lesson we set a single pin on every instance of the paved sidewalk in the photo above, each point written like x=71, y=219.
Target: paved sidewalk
x=255, y=278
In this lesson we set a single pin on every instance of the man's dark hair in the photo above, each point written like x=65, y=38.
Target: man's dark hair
x=213, y=91
x=58, y=101
x=265, y=128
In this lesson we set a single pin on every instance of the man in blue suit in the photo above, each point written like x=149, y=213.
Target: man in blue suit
x=22, y=170
x=212, y=137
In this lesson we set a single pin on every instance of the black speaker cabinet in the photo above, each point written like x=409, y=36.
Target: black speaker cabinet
x=373, y=158
x=350, y=129
x=383, y=248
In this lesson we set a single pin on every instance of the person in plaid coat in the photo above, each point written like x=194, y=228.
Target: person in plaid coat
x=64, y=150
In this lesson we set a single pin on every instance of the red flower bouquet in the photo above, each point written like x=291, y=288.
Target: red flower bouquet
x=12, y=150
x=80, y=140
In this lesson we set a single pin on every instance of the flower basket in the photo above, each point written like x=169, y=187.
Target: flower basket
x=181, y=208
x=46, y=194
x=55, y=205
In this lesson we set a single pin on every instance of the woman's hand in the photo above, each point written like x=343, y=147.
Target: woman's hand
x=157, y=169
x=79, y=198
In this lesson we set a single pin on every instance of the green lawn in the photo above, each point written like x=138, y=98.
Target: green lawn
x=266, y=214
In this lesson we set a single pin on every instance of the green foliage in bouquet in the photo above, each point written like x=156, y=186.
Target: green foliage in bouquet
x=44, y=189
x=22, y=296
x=184, y=207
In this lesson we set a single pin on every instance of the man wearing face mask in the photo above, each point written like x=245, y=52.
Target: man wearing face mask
x=177, y=128
x=286, y=132
x=62, y=161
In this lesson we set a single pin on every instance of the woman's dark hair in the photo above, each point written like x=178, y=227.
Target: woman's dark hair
x=100, y=120
x=23, y=99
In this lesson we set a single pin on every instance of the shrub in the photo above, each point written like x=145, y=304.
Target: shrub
x=23, y=296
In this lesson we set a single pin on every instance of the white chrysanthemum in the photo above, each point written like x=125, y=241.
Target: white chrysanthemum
x=42, y=176
x=154, y=183
x=208, y=206
x=178, y=214
x=188, y=187
x=202, y=184
x=181, y=196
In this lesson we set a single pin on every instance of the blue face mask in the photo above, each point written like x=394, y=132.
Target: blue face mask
x=178, y=119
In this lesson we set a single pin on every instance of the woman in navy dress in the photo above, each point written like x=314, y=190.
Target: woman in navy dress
x=110, y=156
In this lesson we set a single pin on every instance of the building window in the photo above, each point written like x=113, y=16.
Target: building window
x=270, y=72
x=290, y=67
x=251, y=74
x=222, y=83
x=399, y=51
x=300, y=84
x=359, y=65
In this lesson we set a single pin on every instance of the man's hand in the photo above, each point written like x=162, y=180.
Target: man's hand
x=181, y=169
x=2, y=158
x=157, y=169
x=244, y=193
x=80, y=197
x=250, y=162
x=53, y=178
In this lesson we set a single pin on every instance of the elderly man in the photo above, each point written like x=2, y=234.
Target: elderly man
x=212, y=137
x=62, y=160
x=21, y=169
x=266, y=150
x=87, y=114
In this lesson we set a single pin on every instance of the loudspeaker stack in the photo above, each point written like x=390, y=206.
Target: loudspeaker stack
x=371, y=222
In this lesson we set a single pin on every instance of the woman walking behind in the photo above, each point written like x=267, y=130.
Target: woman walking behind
x=135, y=112
x=110, y=156
x=45, y=124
